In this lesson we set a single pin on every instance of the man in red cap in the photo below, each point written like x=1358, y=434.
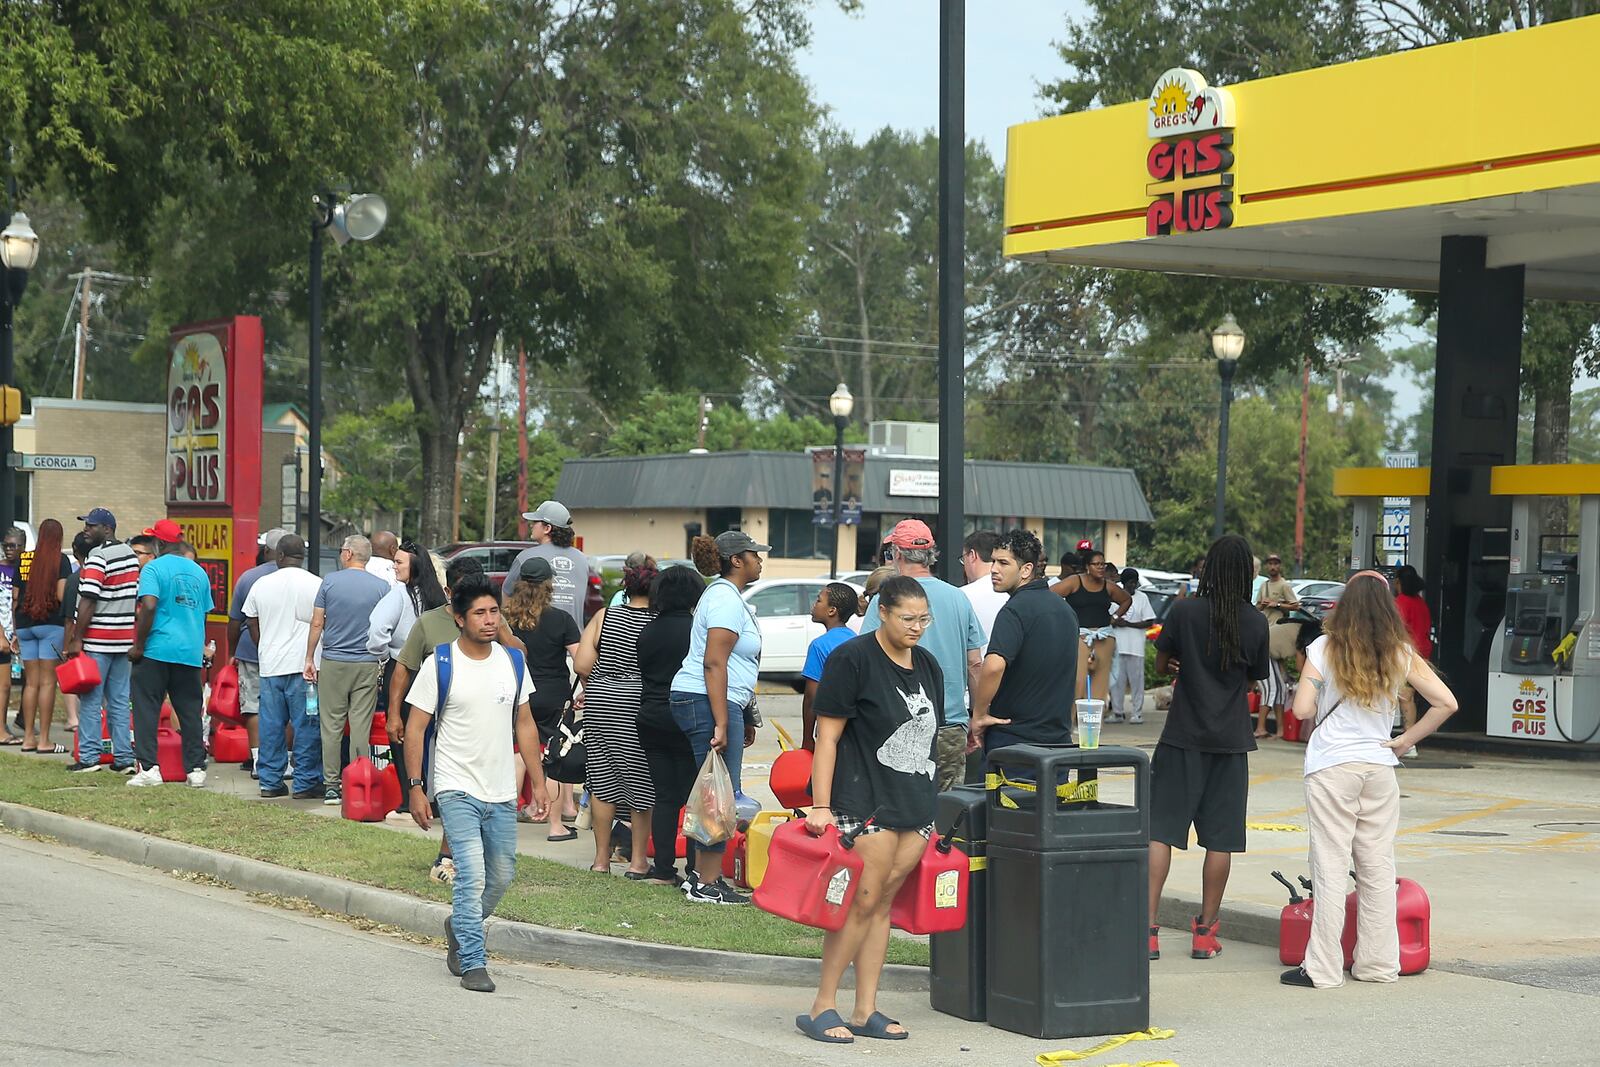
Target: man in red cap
x=955, y=637
x=168, y=647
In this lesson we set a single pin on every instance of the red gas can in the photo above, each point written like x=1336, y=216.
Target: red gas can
x=230, y=744
x=810, y=880
x=77, y=675
x=682, y=850
x=169, y=754
x=933, y=898
x=791, y=777
x=1294, y=926
x=224, y=700
x=736, y=860
x=378, y=736
x=363, y=793
x=105, y=736
x=389, y=788
x=1293, y=727
x=1413, y=916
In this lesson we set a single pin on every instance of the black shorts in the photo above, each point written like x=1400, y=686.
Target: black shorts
x=1208, y=790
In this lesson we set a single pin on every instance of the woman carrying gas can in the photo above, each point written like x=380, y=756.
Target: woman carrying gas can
x=878, y=708
x=1351, y=686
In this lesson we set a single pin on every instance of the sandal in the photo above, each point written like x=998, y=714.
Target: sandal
x=877, y=1026
x=599, y=870
x=570, y=835
x=10, y=739
x=53, y=750
x=638, y=876
x=817, y=1029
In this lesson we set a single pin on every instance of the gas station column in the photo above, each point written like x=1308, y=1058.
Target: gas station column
x=1475, y=401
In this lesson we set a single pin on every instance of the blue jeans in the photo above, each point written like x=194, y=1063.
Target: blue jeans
x=692, y=713
x=282, y=701
x=483, y=840
x=112, y=694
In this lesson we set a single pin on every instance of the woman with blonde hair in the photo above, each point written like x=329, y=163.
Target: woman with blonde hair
x=549, y=635
x=1351, y=685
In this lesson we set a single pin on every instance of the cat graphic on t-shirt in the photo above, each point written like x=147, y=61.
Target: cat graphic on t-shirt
x=907, y=750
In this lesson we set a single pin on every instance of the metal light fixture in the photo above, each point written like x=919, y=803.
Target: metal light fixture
x=19, y=245
x=841, y=403
x=360, y=218
x=1227, y=340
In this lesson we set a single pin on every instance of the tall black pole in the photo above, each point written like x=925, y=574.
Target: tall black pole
x=314, y=494
x=14, y=281
x=838, y=490
x=952, y=286
x=1225, y=368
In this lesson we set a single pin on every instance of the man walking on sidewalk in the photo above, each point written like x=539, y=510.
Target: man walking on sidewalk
x=347, y=682
x=469, y=691
x=108, y=587
x=278, y=612
x=168, y=650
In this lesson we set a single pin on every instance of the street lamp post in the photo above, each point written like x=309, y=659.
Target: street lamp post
x=841, y=403
x=19, y=251
x=1227, y=344
x=360, y=218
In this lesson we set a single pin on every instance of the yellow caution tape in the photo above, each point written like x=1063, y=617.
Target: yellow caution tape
x=1066, y=1055
x=1285, y=827
x=1067, y=793
x=978, y=863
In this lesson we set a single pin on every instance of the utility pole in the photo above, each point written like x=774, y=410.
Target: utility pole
x=494, y=448
x=83, y=336
x=1300, y=494
x=951, y=522
x=455, y=501
x=522, y=441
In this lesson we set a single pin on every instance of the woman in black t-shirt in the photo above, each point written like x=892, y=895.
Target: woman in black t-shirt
x=40, y=618
x=663, y=644
x=878, y=708
x=549, y=635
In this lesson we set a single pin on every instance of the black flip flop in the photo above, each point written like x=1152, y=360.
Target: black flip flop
x=53, y=750
x=877, y=1026
x=570, y=835
x=817, y=1029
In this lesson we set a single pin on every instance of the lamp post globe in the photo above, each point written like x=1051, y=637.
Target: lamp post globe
x=1227, y=345
x=841, y=403
x=19, y=245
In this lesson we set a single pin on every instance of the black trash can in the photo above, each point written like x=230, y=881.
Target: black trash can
x=955, y=978
x=1068, y=887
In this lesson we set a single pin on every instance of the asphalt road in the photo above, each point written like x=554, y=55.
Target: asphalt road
x=111, y=963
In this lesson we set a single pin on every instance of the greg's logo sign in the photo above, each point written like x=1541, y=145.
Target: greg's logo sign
x=1528, y=709
x=1192, y=159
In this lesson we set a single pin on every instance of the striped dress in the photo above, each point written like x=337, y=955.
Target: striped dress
x=616, y=770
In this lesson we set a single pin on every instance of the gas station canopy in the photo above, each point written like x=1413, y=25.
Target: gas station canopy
x=1348, y=174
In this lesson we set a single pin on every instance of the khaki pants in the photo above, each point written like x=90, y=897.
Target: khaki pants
x=346, y=693
x=1353, y=810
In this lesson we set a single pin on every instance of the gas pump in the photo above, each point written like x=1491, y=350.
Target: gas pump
x=1544, y=662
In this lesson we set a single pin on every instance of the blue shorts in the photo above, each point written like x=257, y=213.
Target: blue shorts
x=40, y=642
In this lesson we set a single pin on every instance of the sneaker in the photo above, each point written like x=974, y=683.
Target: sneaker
x=148, y=776
x=443, y=870
x=84, y=768
x=314, y=793
x=1155, y=942
x=196, y=779
x=1411, y=753
x=1297, y=976
x=1205, y=945
x=331, y=795
x=452, y=956
x=275, y=792
x=1113, y=716
x=718, y=892
x=478, y=980
x=123, y=768
x=1136, y=720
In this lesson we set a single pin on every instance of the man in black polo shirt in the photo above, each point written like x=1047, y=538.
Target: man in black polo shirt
x=1028, y=678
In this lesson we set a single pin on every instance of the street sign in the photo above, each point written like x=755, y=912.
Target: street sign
x=1403, y=459
x=23, y=462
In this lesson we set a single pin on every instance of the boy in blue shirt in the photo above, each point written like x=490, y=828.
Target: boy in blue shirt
x=837, y=603
x=169, y=636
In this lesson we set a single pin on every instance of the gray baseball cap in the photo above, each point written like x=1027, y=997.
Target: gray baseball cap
x=733, y=542
x=270, y=539
x=552, y=512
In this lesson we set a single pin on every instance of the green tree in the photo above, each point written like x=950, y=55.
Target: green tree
x=376, y=461
x=667, y=422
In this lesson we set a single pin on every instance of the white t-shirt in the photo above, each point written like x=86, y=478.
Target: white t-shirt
x=282, y=603
x=1131, y=642
x=383, y=568
x=472, y=748
x=1351, y=733
x=987, y=602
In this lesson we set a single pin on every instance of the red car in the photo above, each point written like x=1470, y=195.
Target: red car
x=497, y=557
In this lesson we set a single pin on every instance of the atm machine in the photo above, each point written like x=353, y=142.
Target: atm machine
x=1544, y=663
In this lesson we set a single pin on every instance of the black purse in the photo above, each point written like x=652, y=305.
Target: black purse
x=564, y=756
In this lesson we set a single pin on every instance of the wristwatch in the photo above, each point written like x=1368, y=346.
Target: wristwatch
x=414, y=782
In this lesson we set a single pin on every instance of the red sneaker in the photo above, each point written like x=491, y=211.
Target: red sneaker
x=1155, y=942
x=1205, y=944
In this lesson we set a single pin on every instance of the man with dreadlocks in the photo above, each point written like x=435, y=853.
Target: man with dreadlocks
x=1216, y=644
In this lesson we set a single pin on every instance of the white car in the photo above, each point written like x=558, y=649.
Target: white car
x=1317, y=587
x=782, y=608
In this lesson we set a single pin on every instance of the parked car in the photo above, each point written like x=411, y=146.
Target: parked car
x=782, y=607
x=497, y=557
x=1317, y=596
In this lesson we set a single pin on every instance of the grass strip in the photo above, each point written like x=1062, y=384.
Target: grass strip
x=544, y=892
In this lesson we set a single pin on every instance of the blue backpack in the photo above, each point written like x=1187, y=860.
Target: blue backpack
x=442, y=665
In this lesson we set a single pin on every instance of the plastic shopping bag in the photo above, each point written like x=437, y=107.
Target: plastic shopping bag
x=711, y=817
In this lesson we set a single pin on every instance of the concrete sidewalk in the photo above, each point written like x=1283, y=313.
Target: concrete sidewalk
x=1505, y=847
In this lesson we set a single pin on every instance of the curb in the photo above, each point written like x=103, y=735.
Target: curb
x=524, y=942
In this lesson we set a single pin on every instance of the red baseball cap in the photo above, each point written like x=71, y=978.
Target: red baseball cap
x=1086, y=545
x=166, y=530
x=910, y=533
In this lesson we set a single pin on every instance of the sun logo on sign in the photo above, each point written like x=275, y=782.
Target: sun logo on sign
x=1170, y=98
x=1528, y=686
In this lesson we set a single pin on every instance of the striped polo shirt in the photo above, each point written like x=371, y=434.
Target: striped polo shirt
x=110, y=578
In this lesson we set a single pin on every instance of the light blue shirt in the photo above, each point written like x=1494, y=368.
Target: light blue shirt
x=955, y=631
x=722, y=608
x=183, y=596
x=347, y=598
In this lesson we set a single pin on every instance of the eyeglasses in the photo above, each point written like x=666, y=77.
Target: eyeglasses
x=915, y=622
x=1099, y=566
